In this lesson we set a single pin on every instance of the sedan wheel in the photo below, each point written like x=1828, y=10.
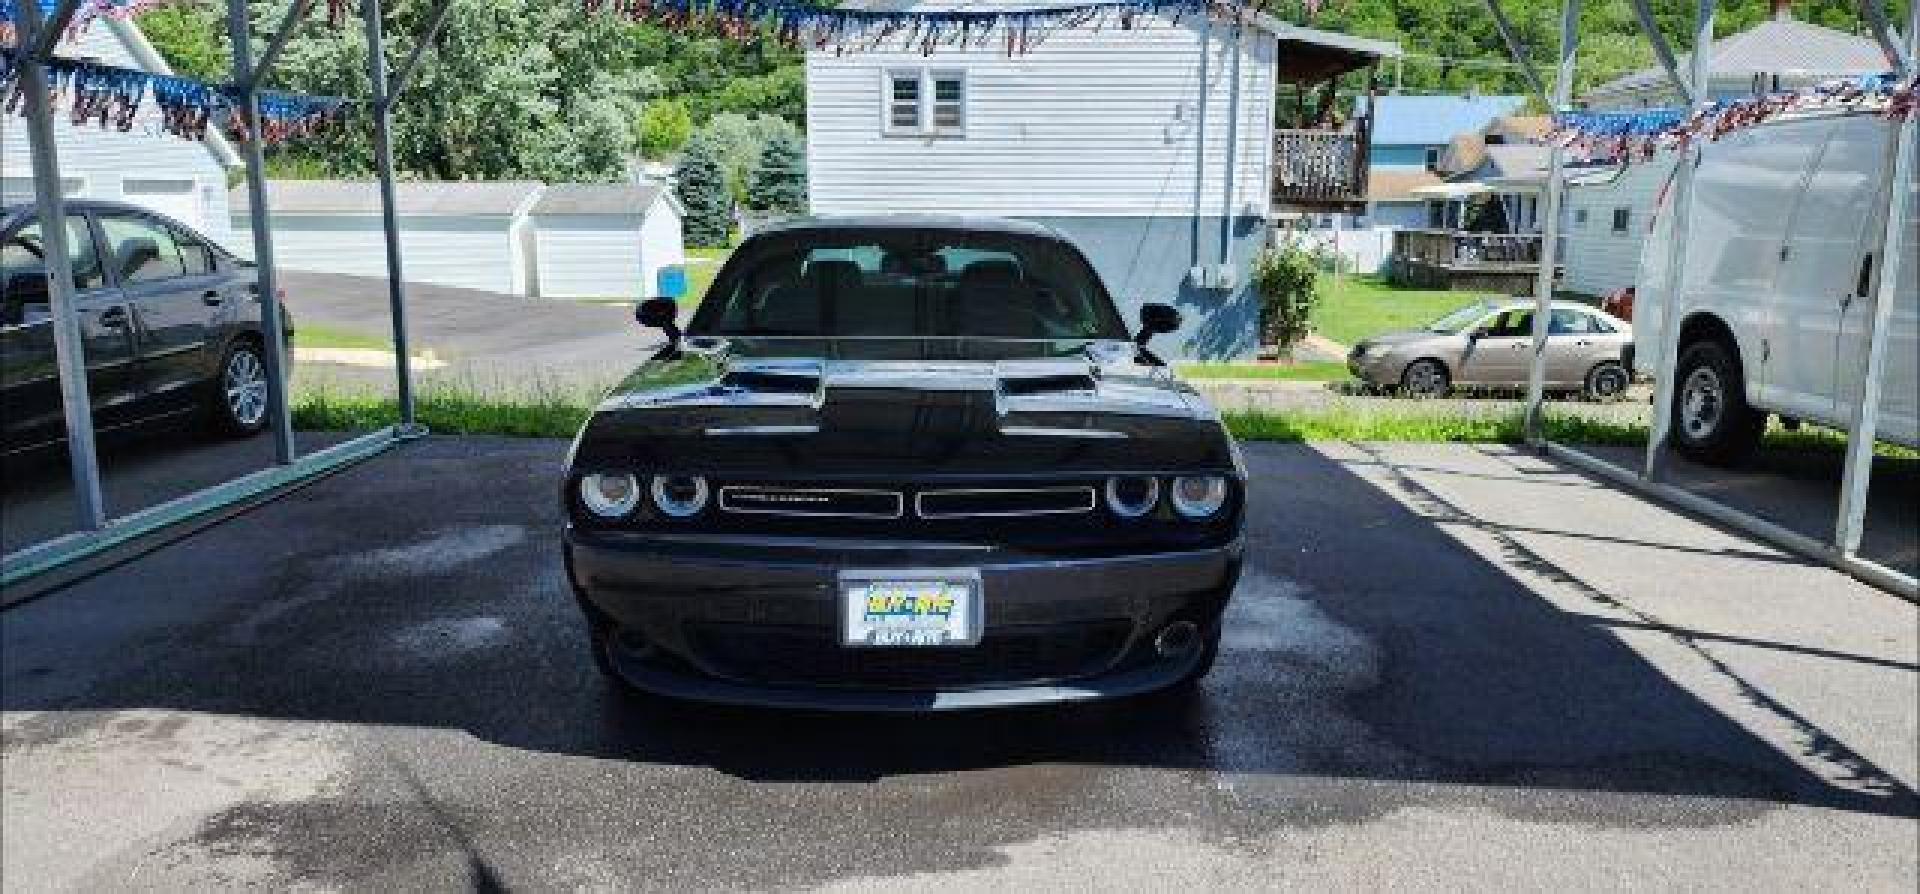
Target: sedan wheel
x=1425, y=378
x=1607, y=381
x=240, y=406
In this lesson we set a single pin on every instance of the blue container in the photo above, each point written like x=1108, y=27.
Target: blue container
x=671, y=282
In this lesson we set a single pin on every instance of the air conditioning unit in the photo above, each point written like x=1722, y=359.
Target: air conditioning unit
x=1214, y=277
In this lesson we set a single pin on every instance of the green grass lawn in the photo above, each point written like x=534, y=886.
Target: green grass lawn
x=1356, y=307
x=1328, y=371
x=702, y=265
x=314, y=335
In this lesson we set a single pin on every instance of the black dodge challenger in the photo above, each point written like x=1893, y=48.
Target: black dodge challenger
x=904, y=463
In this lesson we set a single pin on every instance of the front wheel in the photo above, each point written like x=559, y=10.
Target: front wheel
x=1607, y=381
x=238, y=402
x=1425, y=378
x=1711, y=421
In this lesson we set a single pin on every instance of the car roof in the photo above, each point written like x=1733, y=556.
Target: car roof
x=913, y=222
x=9, y=213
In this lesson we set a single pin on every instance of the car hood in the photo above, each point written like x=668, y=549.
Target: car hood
x=1406, y=337
x=715, y=410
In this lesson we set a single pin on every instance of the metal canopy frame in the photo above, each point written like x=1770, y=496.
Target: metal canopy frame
x=1843, y=551
x=36, y=568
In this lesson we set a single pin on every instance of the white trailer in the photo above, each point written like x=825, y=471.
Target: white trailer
x=1777, y=295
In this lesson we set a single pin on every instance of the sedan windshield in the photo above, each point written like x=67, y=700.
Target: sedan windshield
x=906, y=282
x=1459, y=321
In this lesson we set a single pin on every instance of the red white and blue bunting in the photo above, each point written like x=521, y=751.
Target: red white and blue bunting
x=1640, y=134
x=111, y=97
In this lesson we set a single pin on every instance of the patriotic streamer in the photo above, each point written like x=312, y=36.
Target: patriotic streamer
x=1015, y=30
x=83, y=16
x=111, y=97
x=1626, y=136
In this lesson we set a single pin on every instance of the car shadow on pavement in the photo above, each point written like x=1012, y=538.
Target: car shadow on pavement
x=1371, y=663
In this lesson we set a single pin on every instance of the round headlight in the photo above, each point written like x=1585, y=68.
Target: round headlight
x=1198, y=496
x=609, y=495
x=1132, y=496
x=680, y=496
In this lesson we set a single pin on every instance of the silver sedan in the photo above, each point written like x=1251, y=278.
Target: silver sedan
x=1489, y=344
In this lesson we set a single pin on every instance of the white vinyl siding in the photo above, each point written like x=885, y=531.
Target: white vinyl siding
x=1601, y=260
x=96, y=161
x=1090, y=123
x=605, y=255
x=469, y=252
x=589, y=256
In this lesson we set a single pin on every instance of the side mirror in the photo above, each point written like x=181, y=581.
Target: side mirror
x=661, y=314
x=1156, y=319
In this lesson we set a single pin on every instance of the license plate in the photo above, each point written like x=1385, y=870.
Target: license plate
x=895, y=609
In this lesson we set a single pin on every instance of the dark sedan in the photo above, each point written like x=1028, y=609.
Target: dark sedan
x=904, y=464
x=170, y=324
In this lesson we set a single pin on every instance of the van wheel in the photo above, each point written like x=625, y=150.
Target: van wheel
x=1710, y=419
x=1426, y=377
x=1607, y=381
x=237, y=400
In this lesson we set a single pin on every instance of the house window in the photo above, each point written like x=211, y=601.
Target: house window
x=1580, y=218
x=1622, y=217
x=903, y=101
x=1433, y=158
x=922, y=102
x=949, y=101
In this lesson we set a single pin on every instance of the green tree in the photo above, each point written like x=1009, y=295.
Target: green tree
x=779, y=181
x=665, y=125
x=739, y=139
x=701, y=184
x=190, y=38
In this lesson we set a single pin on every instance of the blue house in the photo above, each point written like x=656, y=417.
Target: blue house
x=1411, y=135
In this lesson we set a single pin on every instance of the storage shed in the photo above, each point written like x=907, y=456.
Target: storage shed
x=605, y=240
x=462, y=234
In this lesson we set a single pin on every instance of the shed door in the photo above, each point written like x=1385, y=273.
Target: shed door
x=178, y=198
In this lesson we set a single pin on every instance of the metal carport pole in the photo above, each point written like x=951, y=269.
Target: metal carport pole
x=1666, y=358
x=384, y=92
x=1894, y=251
x=1535, y=426
x=247, y=77
x=38, y=35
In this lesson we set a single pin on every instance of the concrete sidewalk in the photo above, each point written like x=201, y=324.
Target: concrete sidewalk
x=1447, y=667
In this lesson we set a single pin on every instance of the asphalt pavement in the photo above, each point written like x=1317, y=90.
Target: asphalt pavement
x=1448, y=667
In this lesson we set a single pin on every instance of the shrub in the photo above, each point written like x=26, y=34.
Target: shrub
x=1287, y=279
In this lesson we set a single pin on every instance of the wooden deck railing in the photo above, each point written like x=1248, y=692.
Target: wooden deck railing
x=1455, y=248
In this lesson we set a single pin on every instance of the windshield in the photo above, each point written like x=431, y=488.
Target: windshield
x=1459, y=321
x=905, y=282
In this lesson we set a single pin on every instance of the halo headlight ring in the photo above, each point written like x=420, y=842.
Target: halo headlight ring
x=1198, y=496
x=1132, y=496
x=609, y=495
x=679, y=496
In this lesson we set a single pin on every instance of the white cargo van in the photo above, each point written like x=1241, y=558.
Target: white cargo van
x=1778, y=289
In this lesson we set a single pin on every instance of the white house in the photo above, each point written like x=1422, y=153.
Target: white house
x=605, y=240
x=1152, y=147
x=146, y=166
x=468, y=235
x=1610, y=210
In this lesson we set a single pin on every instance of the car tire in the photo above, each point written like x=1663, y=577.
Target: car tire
x=1425, y=378
x=1710, y=420
x=1607, y=382
x=237, y=398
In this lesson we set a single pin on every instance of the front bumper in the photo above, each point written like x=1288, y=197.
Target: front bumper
x=753, y=621
x=1375, y=369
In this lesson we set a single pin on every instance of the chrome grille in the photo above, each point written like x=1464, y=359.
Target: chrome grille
x=1003, y=502
x=817, y=502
